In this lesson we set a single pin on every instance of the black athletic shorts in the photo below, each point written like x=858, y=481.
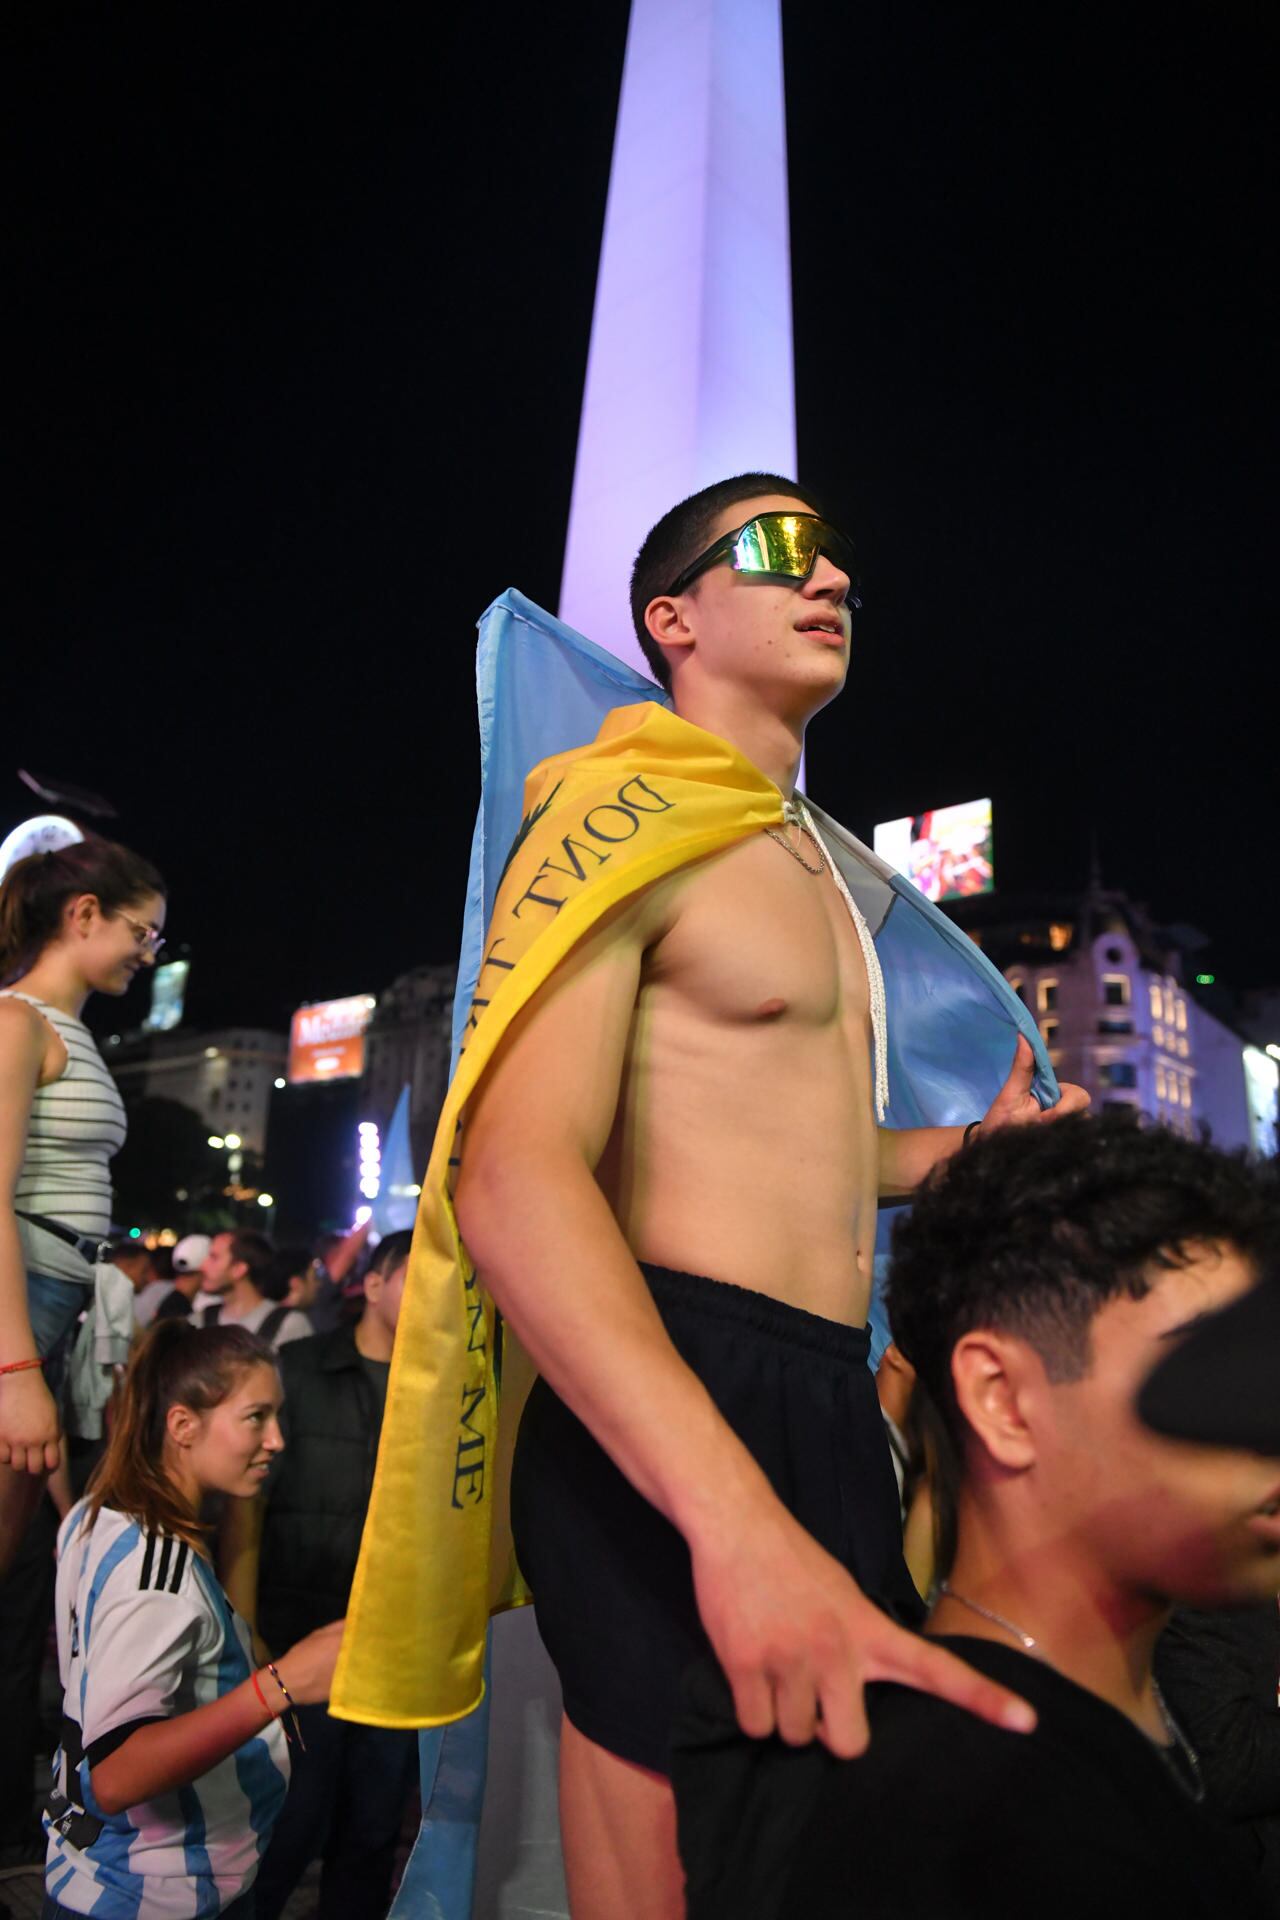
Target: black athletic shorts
x=611, y=1578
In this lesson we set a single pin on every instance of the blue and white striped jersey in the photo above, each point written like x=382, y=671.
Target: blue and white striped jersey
x=146, y=1632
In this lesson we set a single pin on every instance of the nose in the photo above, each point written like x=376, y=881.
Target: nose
x=272, y=1437
x=827, y=581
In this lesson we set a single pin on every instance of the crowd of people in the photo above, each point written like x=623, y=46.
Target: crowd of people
x=283, y=1408
x=224, y=1446
x=973, y=1636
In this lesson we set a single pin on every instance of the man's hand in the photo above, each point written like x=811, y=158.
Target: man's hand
x=1015, y=1105
x=798, y=1642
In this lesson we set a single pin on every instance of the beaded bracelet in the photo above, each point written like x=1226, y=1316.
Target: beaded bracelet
x=20, y=1366
x=274, y=1671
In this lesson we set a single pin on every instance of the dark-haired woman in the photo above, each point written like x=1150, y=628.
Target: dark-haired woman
x=173, y=1764
x=79, y=921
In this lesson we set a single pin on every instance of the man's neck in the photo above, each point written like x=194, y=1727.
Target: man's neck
x=240, y=1299
x=1089, y=1627
x=769, y=742
x=57, y=981
x=374, y=1339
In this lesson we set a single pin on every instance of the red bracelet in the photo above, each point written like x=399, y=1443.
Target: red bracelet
x=20, y=1366
x=262, y=1696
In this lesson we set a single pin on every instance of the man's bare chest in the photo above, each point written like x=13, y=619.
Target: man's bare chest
x=758, y=938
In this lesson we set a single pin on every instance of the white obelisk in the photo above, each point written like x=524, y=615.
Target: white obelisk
x=690, y=376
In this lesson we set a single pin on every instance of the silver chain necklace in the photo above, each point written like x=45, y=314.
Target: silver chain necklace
x=793, y=817
x=795, y=812
x=1177, y=1737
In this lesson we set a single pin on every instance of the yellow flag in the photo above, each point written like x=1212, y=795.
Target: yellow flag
x=651, y=793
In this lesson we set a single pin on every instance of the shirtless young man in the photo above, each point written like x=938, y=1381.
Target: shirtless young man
x=690, y=1095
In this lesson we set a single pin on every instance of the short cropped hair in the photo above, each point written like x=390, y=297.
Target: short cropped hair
x=391, y=1251
x=254, y=1250
x=1032, y=1230
x=680, y=536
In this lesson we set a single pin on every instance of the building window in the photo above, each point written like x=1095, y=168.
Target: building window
x=1154, y=990
x=1168, y=1005
x=1049, y=1032
x=1118, y=1073
x=1060, y=933
x=1182, y=1047
x=1115, y=989
x=1180, y=1012
x=1019, y=985
x=1115, y=1026
x=1160, y=1093
x=1117, y=1106
x=1157, y=1034
x=1047, y=991
x=1185, y=1088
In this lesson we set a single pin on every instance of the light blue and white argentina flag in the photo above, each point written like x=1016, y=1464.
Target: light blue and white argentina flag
x=146, y=1632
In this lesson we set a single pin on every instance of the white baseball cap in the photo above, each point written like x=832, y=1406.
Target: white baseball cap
x=191, y=1253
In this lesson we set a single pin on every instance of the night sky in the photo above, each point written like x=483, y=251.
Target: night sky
x=304, y=300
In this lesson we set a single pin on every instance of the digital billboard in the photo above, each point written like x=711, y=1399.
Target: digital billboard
x=168, y=995
x=326, y=1041
x=946, y=853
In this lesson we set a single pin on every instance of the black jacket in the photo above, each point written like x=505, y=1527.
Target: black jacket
x=1221, y=1675
x=319, y=1490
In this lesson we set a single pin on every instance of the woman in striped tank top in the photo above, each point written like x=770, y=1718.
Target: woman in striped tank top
x=79, y=921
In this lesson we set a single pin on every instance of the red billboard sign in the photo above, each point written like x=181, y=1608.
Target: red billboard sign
x=326, y=1041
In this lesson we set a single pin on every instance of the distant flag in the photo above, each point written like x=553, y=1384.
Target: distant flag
x=396, y=1204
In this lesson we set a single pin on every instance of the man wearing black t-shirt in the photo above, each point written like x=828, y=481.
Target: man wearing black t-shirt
x=1037, y=1280
x=350, y=1785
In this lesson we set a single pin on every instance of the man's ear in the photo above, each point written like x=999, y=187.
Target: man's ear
x=989, y=1373
x=182, y=1425
x=665, y=619
x=373, y=1281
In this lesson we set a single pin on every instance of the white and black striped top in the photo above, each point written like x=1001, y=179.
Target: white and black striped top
x=77, y=1124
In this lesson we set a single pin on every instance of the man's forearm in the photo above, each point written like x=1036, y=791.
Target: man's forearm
x=551, y=1254
x=909, y=1154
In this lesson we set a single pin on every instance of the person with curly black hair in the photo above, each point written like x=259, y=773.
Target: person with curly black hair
x=1035, y=1283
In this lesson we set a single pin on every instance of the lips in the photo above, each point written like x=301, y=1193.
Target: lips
x=833, y=635
x=1265, y=1520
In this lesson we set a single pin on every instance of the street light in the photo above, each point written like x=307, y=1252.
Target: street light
x=216, y=1140
x=233, y=1141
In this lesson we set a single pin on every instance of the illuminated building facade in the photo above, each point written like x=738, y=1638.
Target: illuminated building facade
x=1107, y=989
x=227, y=1077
